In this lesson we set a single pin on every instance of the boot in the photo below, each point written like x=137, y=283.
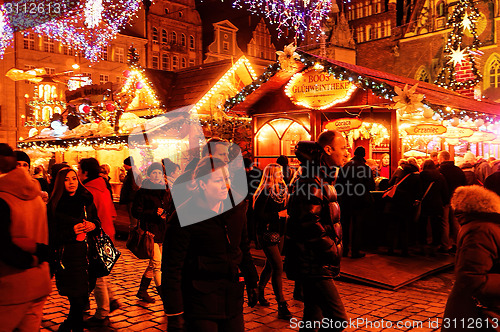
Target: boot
x=160, y=293
x=262, y=299
x=283, y=312
x=143, y=290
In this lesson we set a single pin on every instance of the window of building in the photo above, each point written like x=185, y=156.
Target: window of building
x=440, y=9
x=359, y=10
x=378, y=30
x=120, y=55
x=48, y=45
x=377, y=6
x=167, y=11
x=191, y=63
x=225, y=46
x=368, y=31
x=155, y=35
x=368, y=8
x=361, y=35
x=175, y=62
x=103, y=79
x=164, y=38
x=29, y=41
x=50, y=71
x=28, y=67
x=495, y=74
x=423, y=75
x=89, y=75
x=155, y=62
x=387, y=28
x=165, y=62
x=183, y=39
x=105, y=53
x=183, y=63
x=68, y=50
x=181, y=14
x=174, y=37
x=191, y=42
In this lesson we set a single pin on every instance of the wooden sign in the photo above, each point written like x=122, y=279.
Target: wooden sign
x=344, y=124
x=458, y=132
x=426, y=129
x=317, y=89
x=481, y=136
x=94, y=92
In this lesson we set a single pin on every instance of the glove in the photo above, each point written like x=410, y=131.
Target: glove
x=175, y=323
x=252, y=297
x=42, y=252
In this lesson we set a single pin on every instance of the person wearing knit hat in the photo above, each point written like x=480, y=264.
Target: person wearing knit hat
x=154, y=166
x=23, y=160
x=360, y=152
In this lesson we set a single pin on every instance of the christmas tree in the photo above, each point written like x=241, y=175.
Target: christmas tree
x=460, y=72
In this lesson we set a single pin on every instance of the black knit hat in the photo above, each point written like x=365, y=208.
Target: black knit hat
x=360, y=152
x=154, y=166
x=22, y=156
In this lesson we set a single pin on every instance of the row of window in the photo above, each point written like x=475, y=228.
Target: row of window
x=173, y=38
x=377, y=31
x=166, y=65
x=364, y=9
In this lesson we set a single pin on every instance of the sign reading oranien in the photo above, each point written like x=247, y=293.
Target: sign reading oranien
x=426, y=129
x=344, y=124
x=317, y=89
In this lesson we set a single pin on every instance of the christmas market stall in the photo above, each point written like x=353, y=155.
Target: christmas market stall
x=303, y=94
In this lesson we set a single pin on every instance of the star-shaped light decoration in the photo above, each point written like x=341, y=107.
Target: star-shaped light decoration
x=467, y=23
x=288, y=57
x=407, y=101
x=457, y=56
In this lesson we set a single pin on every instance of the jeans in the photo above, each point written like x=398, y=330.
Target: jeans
x=273, y=268
x=103, y=294
x=322, y=300
x=233, y=324
x=153, y=271
x=24, y=317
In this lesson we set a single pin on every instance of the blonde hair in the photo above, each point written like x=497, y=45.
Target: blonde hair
x=275, y=188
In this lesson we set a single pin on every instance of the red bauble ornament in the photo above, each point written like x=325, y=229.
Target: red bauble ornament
x=97, y=120
x=110, y=107
x=126, y=73
x=86, y=109
x=139, y=85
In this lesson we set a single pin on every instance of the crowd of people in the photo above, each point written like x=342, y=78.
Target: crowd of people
x=201, y=269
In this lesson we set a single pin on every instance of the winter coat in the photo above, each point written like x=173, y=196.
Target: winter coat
x=313, y=240
x=384, y=171
x=22, y=218
x=433, y=202
x=477, y=266
x=470, y=176
x=407, y=191
x=354, y=183
x=72, y=278
x=145, y=208
x=492, y=182
x=129, y=187
x=266, y=215
x=482, y=170
x=454, y=176
x=104, y=205
x=202, y=262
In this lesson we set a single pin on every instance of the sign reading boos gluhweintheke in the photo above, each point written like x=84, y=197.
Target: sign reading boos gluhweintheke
x=426, y=129
x=344, y=124
x=317, y=89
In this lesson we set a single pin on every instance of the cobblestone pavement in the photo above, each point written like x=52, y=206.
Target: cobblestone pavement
x=421, y=304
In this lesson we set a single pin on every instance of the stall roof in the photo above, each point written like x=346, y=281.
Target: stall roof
x=433, y=94
x=187, y=86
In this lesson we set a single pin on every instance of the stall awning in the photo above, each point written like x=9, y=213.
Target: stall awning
x=433, y=94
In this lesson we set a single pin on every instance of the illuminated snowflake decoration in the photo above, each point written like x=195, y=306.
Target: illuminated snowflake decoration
x=467, y=23
x=457, y=56
x=302, y=16
x=93, y=13
x=6, y=33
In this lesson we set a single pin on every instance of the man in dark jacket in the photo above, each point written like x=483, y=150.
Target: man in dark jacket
x=130, y=187
x=455, y=178
x=313, y=244
x=353, y=186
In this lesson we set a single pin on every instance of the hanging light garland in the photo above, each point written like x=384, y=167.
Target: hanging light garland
x=6, y=33
x=302, y=16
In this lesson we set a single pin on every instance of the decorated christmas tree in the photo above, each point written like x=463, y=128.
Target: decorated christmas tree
x=460, y=71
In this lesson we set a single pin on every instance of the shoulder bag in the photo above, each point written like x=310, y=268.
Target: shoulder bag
x=102, y=254
x=418, y=204
x=140, y=243
x=389, y=193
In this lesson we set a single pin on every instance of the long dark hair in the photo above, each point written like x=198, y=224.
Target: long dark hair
x=60, y=189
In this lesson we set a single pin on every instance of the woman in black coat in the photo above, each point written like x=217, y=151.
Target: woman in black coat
x=72, y=214
x=434, y=183
x=206, y=262
x=269, y=203
x=474, y=301
x=152, y=205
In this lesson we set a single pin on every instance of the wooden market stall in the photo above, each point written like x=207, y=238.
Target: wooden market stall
x=304, y=94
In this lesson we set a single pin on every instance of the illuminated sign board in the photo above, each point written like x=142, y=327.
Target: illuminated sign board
x=317, y=89
x=458, y=132
x=344, y=124
x=426, y=129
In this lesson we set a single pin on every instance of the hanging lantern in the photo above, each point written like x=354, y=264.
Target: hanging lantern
x=126, y=73
x=479, y=122
x=428, y=113
x=86, y=109
x=139, y=85
x=455, y=122
x=110, y=107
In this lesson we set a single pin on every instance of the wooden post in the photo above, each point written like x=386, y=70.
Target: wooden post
x=395, y=143
x=452, y=152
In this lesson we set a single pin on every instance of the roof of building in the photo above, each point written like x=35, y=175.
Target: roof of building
x=433, y=94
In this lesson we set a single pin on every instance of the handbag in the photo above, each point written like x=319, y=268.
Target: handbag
x=102, y=254
x=140, y=243
x=389, y=193
x=418, y=204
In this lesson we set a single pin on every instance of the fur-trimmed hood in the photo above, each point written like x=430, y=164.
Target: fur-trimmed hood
x=475, y=200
